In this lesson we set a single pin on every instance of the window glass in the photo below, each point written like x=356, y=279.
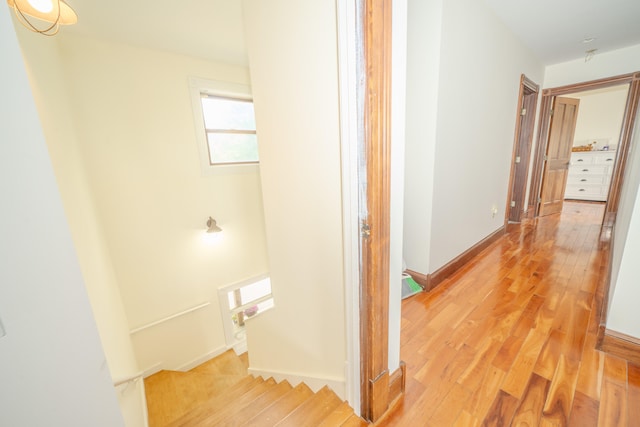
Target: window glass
x=227, y=147
x=226, y=113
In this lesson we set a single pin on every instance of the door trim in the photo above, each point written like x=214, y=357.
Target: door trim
x=523, y=140
x=375, y=178
x=633, y=79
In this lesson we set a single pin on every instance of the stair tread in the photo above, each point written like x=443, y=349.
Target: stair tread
x=338, y=416
x=171, y=394
x=218, y=402
x=281, y=407
x=206, y=415
x=313, y=410
x=247, y=412
x=227, y=363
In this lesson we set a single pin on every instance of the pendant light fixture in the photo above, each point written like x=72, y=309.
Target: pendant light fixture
x=52, y=12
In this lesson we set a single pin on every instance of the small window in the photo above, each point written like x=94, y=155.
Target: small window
x=242, y=301
x=230, y=126
x=225, y=126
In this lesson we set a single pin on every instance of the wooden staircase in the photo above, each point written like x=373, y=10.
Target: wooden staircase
x=229, y=397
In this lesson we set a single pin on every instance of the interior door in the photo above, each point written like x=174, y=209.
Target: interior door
x=556, y=166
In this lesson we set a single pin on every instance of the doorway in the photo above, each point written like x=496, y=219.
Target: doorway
x=594, y=146
x=527, y=101
x=623, y=144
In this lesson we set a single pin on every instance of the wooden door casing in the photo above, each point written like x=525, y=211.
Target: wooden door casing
x=561, y=131
x=374, y=291
x=527, y=101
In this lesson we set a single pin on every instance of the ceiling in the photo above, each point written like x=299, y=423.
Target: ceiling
x=209, y=29
x=554, y=30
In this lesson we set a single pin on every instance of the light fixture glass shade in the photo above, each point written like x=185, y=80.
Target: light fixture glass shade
x=212, y=227
x=60, y=13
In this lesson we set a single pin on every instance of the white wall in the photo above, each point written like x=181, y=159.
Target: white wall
x=53, y=370
x=424, y=33
x=606, y=64
x=600, y=115
x=623, y=312
x=480, y=66
x=292, y=51
x=625, y=270
x=47, y=81
x=134, y=121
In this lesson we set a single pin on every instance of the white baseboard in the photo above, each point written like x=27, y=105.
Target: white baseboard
x=314, y=383
x=240, y=347
x=201, y=359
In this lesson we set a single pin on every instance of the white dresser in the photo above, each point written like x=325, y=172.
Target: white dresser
x=590, y=175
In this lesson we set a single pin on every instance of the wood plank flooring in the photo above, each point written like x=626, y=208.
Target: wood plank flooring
x=221, y=393
x=170, y=394
x=510, y=338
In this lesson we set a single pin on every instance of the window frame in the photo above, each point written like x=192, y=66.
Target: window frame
x=236, y=339
x=198, y=86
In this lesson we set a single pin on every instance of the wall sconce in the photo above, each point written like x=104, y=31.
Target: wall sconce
x=53, y=12
x=212, y=227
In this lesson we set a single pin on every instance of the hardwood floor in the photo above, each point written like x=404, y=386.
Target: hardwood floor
x=221, y=393
x=510, y=338
x=507, y=340
x=171, y=394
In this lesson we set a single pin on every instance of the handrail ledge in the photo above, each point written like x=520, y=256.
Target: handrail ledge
x=128, y=379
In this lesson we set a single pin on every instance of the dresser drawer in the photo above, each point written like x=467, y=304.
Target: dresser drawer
x=605, y=159
x=586, y=192
x=579, y=179
x=577, y=170
x=581, y=159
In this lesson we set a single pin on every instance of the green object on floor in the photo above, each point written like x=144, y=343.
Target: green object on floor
x=409, y=287
x=413, y=285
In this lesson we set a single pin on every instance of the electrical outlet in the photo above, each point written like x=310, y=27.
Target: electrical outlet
x=2, y=332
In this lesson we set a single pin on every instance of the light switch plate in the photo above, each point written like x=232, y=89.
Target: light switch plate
x=2, y=332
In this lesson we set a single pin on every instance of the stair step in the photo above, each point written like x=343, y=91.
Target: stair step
x=221, y=393
x=312, y=411
x=338, y=416
x=171, y=394
x=219, y=402
x=242, y=415
x=227, y=363
x=354, y=421
x=281, y=407
x=204, y=414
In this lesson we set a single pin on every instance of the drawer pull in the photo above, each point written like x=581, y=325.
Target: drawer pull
x=609, y=160
x=585, y=170
x=583, y=180
x=580, y=160
x=582, y=189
